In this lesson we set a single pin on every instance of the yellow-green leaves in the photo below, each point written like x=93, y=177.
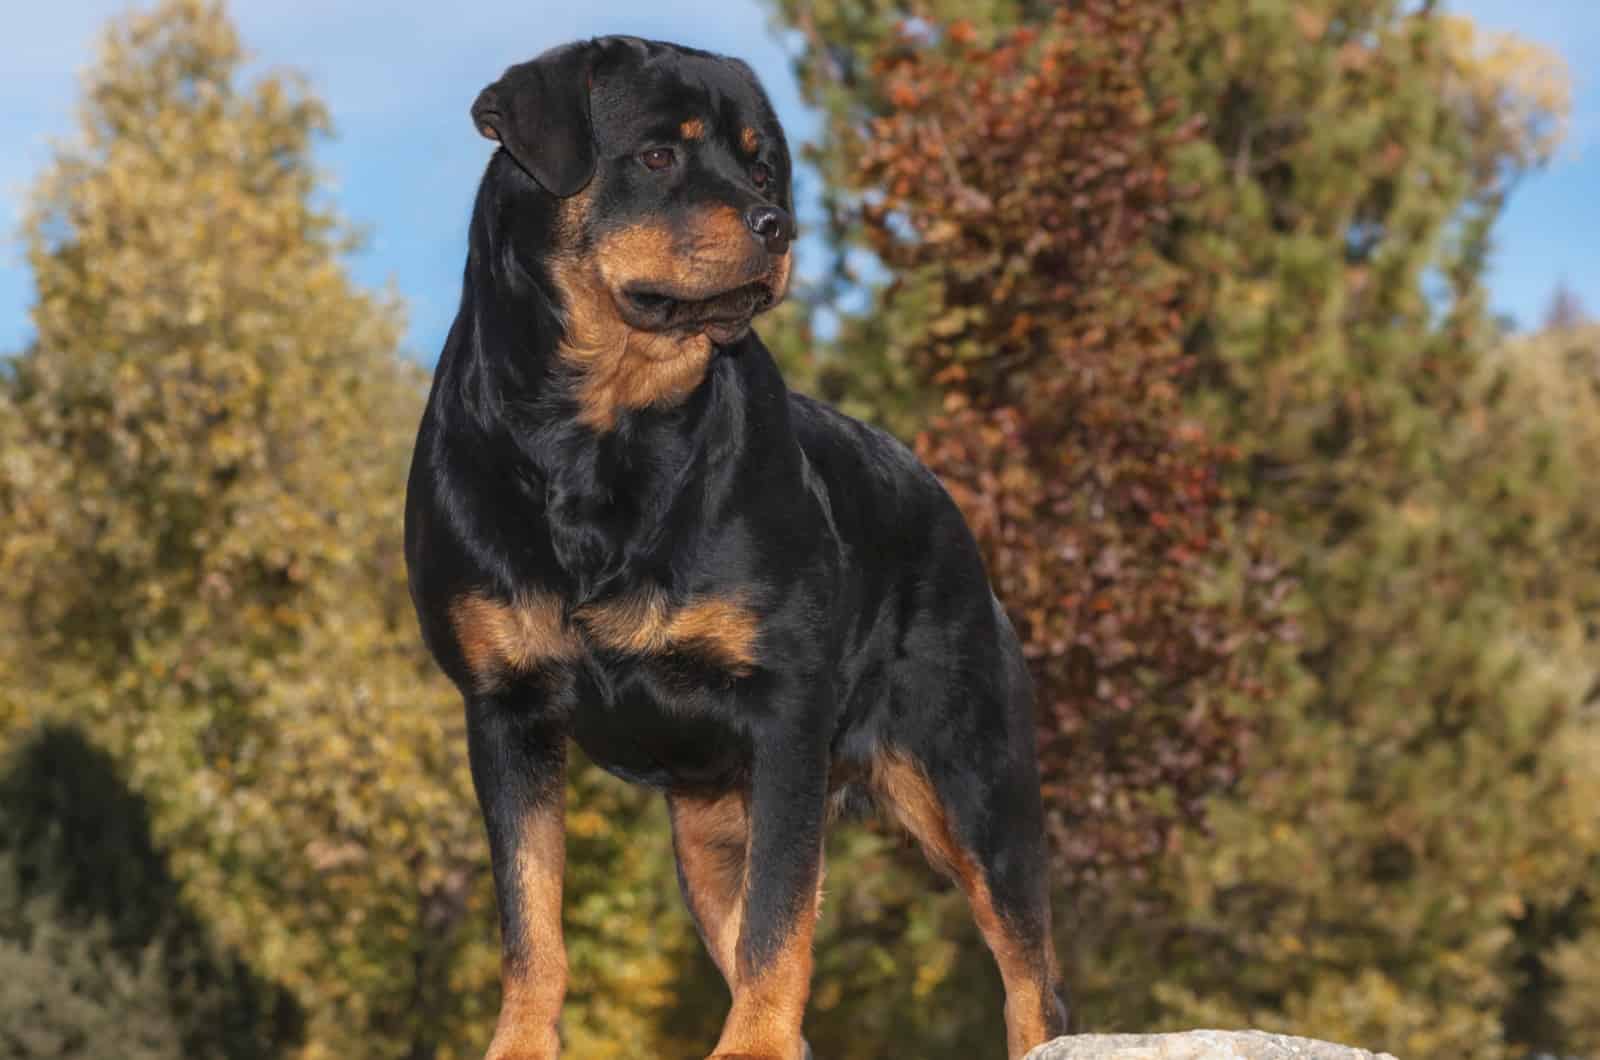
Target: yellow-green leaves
x=1409, y=860
x=202, y=465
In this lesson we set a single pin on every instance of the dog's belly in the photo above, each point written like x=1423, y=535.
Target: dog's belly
x=664, y=730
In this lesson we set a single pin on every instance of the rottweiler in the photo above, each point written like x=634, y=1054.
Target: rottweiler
x=624, y=530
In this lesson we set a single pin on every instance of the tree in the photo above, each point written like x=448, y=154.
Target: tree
x=1406, y=857
x=67, y=996
x=1351, y=359
x=1546, y=404
x=202, y=503
x=1565, y=309
x=201, y=477
x=1021, y=183
x=104, y=957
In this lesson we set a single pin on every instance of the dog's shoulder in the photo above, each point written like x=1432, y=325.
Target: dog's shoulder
x=828, y=435
x=881, y=494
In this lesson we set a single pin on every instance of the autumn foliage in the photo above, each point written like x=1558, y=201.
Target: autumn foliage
x=1406, y=855
x=1186, y=304
x=1025, y=181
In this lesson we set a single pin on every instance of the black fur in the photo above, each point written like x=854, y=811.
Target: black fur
x=878, y=632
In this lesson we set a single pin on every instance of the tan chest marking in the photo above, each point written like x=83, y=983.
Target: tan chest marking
x=720, y=629
x=500, y=638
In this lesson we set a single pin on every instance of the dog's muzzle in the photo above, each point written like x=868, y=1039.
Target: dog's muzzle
x=724, y=316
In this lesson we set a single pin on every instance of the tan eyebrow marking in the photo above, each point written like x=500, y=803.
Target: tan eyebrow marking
x=750, y=140
x=693, y=129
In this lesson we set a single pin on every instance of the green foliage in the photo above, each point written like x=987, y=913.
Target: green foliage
x=201, y=478
x=65, y=994
x=1407, y=861
x=202, y=509
x=87, y=898
x=1385, y=875
x=1410, y=799
x=257, y=836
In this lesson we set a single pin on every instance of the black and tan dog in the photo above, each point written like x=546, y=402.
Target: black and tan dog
x=623, y=529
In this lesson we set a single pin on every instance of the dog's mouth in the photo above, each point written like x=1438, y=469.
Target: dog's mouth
x=724, y=316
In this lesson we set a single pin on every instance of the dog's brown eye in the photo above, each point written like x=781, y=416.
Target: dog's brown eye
x=657, y=158
x=761, y=173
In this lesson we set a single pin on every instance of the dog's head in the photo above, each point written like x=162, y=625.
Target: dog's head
x=671, y=175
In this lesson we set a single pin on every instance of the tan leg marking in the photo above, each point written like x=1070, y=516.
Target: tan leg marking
x=534, y=983
x=711, y=838
x=499, y=637
x=769, y=1003
x=903, y=785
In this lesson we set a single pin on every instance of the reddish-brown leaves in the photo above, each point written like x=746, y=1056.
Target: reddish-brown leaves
x=1030, y=178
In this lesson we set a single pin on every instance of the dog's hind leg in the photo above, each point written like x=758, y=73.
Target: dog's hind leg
x=710, y=837
x=983, y=828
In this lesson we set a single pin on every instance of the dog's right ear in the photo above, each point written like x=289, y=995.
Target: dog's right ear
x=539, y=112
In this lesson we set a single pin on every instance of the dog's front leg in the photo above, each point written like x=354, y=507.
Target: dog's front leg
x=788, y=794
x=519, y=771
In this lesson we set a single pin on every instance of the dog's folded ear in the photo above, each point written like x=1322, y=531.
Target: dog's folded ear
x=539, y=112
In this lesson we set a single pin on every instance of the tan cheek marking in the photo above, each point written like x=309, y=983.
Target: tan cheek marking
x=717, y=254
x=750, y=140
x=714, y=250
x=620, y=368
x=911, y=797
x=721, y=225
x=641, y=253
x=779, y=277
x=572, y=219
x=499, y=637
x=720, y=629
x=534, y=984
x=693, y=129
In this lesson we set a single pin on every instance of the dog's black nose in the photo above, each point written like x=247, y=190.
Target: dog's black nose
x=772, y=225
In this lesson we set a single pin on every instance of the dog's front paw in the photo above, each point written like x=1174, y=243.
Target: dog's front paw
x=525, y=1044
x=804, y=1054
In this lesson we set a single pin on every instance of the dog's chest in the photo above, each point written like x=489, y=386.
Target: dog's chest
x=501, y=639
x=647, y=680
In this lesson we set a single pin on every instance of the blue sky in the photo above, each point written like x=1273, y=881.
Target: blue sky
x=399, y=77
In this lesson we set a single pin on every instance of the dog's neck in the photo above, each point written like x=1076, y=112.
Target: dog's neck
x=610, y=489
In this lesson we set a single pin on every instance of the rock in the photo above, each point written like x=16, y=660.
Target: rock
x=1197, y=1045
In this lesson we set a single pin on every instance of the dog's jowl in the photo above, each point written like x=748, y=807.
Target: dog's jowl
x=622, y=529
